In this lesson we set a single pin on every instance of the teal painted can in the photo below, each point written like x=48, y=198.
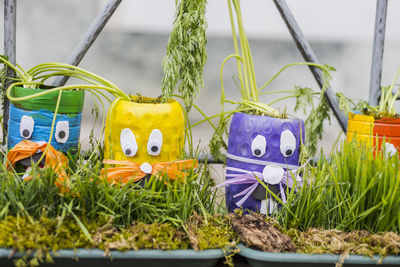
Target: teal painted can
x=257, y=258
x=147, y=258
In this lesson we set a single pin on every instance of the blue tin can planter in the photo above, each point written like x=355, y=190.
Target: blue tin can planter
x=258, y=258
x=264, y=148
x=32, y=119
x=148, y=258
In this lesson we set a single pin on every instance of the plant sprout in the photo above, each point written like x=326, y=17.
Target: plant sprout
x=186, y=52
x=386, y=104
x=251, y=92
x=38, y=75
x=385, y=108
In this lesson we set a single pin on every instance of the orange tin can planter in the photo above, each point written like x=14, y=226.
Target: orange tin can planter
x=368, y=130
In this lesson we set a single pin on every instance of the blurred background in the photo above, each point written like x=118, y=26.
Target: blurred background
x=132, y=46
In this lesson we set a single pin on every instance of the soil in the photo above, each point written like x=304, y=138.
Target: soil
x=257, y=233
x=378, y=115
x=147, y=100
x=282, y=115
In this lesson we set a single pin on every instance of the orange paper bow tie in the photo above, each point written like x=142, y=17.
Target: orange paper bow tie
x=54, y=159
x=132, y=171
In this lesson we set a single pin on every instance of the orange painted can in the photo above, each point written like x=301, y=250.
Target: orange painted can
x=388, y=128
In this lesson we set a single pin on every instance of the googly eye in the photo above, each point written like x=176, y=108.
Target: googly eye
x=62, y=131
x=258, y=146
x=26, y=127
x=288, y=143
x=128, y=142
x=155, y=143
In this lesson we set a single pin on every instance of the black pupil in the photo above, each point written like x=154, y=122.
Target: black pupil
x=257, y=152
x=61, y=134
x=25, y=133
x=154, y=148
x=128, y=151
x=289, y=152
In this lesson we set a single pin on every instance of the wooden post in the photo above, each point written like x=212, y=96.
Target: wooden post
x=309, y=56
x=10, y=25
x=377, y=53
x=88, y=39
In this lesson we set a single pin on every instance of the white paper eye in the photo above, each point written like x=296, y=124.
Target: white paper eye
x=62, y=131
x=26, y=127
x=258, y=146
x=128, y=142
x=155, y=143
x=288, y=143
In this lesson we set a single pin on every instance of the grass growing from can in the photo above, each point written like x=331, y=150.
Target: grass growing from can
x=157, y=200
x=37, y=218
x=386, y=107
x=251, y=92
x=355, y=189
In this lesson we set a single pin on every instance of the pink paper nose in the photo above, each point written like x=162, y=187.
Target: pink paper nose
x=273, y=174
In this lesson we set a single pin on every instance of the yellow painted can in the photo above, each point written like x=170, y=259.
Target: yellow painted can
x=142, y=119
x=361, y=128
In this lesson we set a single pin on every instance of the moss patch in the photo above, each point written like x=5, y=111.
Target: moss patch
x=37, y=238
x=319, y=241
x=24, y=233
x=322, y=241
x=141, y=236
x=213, y=232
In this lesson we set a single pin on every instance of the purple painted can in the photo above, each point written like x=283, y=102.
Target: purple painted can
x=256, y=142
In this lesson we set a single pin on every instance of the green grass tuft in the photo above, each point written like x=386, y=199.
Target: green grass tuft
x=355, y=189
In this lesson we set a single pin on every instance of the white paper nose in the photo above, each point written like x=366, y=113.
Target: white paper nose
x=273, y=174
x=146, y=168
x=390, y=149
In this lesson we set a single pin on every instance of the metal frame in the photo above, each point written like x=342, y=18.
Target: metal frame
x=377, y=53
x=89, y=37
x=10, y=29
x=308, y=55
x=294, y=29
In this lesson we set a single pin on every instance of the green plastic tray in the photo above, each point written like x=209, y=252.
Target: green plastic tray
x=147, y=258
x=258, y=258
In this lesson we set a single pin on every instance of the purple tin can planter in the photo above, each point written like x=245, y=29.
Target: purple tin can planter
x=262, y=147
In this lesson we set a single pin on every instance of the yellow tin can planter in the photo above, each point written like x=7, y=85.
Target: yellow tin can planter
x=360, y=127
x=372, y=132
x=144, y=132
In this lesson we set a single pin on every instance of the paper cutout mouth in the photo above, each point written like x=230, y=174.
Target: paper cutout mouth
x=260, y=193
x=27, y=162
x=26, y=152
